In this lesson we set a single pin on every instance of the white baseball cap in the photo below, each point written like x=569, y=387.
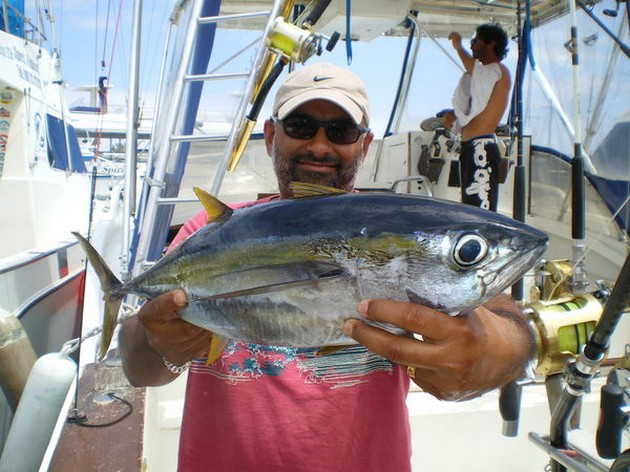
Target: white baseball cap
x=322, y=81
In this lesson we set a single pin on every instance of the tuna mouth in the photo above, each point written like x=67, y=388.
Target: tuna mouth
x=514, y=269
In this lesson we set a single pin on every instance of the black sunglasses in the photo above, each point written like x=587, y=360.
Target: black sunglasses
x=305, y=127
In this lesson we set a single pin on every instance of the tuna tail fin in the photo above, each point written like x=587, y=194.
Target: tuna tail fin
x=109, y=284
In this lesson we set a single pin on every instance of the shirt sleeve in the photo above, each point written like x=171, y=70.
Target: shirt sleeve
x=197, y=221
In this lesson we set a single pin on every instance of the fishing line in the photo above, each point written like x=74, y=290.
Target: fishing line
x=112, y=396
x=598, y=237
x=75, y=416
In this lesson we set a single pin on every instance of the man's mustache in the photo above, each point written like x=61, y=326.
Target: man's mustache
x=311, y=158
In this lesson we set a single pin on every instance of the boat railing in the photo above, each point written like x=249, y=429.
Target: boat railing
x=30, y=257
x=41, y=268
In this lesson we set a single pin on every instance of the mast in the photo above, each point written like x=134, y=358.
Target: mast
x=129, y=198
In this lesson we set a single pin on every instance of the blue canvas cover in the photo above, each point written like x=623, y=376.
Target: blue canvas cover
x=57, y=153
x=14, y=21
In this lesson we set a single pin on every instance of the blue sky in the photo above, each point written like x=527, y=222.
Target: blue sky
x=89, y=32
x=95, y=41
x=95, y=36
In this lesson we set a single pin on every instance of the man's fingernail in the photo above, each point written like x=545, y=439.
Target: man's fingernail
x=362, y=307
x=180, y=298
x=348, y=326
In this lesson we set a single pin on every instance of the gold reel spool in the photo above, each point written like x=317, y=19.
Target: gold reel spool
x=562, y=328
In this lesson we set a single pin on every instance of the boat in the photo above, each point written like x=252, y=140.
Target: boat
x=46, y=192
x=547, y=160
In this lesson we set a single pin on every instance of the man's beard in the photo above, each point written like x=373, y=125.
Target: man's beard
x=287, y=171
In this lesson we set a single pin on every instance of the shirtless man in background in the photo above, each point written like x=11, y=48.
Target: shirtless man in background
x=479, y=102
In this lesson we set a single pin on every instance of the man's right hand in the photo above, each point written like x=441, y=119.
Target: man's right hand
x=173, y=338
x=159, y=333
x=456, y=40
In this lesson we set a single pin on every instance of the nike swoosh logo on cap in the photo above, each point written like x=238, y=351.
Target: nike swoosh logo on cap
x=317, y=78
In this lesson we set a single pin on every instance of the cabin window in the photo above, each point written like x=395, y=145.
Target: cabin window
x=58, y=157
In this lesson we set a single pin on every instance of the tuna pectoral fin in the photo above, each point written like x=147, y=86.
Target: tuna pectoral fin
x=275, y=277
x=109, y=284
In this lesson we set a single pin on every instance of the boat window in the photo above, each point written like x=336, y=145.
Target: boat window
x=57, y=154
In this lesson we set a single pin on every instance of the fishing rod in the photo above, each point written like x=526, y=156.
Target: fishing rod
x=511, y=393
x=579, y=372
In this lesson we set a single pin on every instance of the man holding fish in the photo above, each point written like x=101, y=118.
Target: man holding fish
x=282, y=408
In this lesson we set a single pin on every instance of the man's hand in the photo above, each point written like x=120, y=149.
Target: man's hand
x=455, y=358
x=158, y=333
x=448, y=119
x=456, y=40
x=169, y=335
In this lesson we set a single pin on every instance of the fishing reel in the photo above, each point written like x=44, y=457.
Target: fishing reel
x=285, y=42
x=572, y=333
x=562, y=322
x=297, y=43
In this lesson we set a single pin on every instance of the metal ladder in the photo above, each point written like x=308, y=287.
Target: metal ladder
x=170, y=150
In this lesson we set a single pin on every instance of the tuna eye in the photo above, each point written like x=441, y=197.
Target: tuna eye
x=470, y=249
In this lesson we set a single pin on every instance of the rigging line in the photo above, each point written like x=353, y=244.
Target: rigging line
x=598, y=237
x=95, y=40
x=109, y=72
x=109, y=3
x=448, y=55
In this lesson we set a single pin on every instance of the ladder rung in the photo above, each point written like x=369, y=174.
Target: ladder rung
x=197, y=138
x=173, y=200
x=237, y=16
x=230, y=75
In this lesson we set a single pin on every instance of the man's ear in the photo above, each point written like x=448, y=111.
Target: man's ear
x=367, y=140
x=269, y=131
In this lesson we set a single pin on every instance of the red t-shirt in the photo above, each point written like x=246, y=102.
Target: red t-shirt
x=275, y=409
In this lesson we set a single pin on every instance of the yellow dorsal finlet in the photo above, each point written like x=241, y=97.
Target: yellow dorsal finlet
x=305, y=190
x=214, y=207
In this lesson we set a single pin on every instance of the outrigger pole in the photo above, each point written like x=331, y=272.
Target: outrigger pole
x=129, y=196
x=578, y=211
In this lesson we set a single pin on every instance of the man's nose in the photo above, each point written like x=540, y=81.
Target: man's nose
x=319, y=144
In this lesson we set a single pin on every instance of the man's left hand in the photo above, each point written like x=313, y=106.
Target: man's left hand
x=451, y=357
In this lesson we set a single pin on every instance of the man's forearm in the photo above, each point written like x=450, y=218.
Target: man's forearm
x=467, y=60
x=506, y=307
x=142, y=365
